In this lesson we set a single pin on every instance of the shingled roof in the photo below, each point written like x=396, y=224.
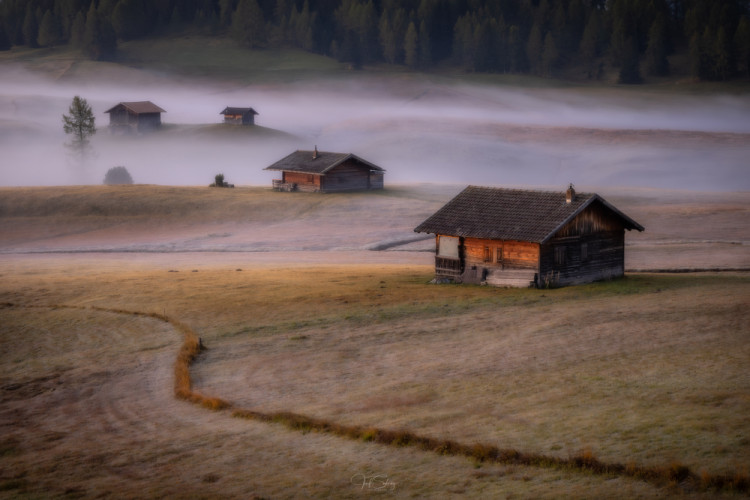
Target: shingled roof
x=512, y=214
x=138, y=107
x=317, y=162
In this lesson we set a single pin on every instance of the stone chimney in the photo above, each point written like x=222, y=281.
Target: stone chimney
x=570, y=194
x=315, y=153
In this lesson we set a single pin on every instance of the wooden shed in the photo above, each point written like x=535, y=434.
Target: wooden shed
x=140, y=116
x=239, y=116
x=513, y=237
x=319, y=171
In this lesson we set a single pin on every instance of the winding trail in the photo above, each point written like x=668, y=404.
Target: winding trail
x=583, y=461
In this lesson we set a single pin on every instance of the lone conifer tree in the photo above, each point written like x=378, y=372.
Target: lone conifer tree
x=80, y=124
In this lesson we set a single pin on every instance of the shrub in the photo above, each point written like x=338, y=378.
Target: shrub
x=220, y=182
x=117, y=175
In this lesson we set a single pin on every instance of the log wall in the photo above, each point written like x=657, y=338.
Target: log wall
x=499, y=259
x=573, y=260
x=304, y=182
x=589, y=248
x=349, y=176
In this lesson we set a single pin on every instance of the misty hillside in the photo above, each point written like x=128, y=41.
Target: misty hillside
x=622, y=40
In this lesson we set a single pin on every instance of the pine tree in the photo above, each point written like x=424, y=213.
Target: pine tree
x=656, y=52
x=248, y=24
x=387, y=39
x=425, y=49
x=30, y=27
x=742, y=46
x=589, y=47
x=722, y=56
x=515, y=49
x=49, y=33
x=80, y=124
x=463, y=42
x=367, y=31
x=78, y=30
x=226, y=7
x=4, y=39
x=485, y=55
x=534, y=48
x=127, y=19
x=99, y=40
x=410, y=46
x=550, y=55
x=629, y=67
x=697, y=57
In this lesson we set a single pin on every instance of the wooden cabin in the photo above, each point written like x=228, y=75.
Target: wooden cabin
x=319, y=171
x=239, y=116
x=129, y=117
x=512, y=237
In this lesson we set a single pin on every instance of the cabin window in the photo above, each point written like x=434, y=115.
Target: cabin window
x=310, y=178
x=560, y=255
x=487, y=254
x=499, y=255
x=584, y=252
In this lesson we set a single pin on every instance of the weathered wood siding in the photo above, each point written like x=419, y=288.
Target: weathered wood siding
x=589, y=248
x=376, y=179
x=503, y=263
x=239, y=119
x=122, y=119
x=304, y=182
x=121, y=116
x=349, y=176
x=148, y=121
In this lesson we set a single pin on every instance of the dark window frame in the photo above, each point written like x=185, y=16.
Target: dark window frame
x=561, y=255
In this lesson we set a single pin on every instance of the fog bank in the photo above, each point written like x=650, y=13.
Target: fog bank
x=418, y=130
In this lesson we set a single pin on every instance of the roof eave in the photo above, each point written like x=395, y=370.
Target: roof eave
x=281, y=169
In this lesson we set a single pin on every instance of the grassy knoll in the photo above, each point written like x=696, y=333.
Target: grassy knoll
x=649, y=370
x=222, y=58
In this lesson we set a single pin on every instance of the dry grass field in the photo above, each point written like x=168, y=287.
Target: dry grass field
x=298, y=315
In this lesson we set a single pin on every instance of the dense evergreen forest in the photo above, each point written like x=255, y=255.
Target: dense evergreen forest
x=540, y=37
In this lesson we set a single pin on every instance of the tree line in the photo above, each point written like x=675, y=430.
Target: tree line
x=540, y=37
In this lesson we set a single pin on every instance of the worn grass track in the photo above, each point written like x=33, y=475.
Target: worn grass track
x=672, y=474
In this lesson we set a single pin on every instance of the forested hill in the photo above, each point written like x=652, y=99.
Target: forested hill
x=710, y=38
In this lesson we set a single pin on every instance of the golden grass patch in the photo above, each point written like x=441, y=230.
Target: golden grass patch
x=646, y=371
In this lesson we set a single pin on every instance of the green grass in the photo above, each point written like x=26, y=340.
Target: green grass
x=221, y=58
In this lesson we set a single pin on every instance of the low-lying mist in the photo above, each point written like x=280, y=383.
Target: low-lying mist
x=419, y=130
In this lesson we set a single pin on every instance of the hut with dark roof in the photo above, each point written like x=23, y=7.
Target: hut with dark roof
x=139, y=116
x=239, y=116
x=513, y=237
x=319, y=171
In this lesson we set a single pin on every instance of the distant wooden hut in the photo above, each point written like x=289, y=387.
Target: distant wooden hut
x=140, y=116
x=239, y=116
x=511, y=237
x=318, y=171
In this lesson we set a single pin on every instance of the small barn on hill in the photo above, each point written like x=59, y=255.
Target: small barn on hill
x=319, y=171
x=140, y=116
x=513, y=237
x=239, y=116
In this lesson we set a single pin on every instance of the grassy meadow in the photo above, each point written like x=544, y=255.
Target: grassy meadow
x=649, y=370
